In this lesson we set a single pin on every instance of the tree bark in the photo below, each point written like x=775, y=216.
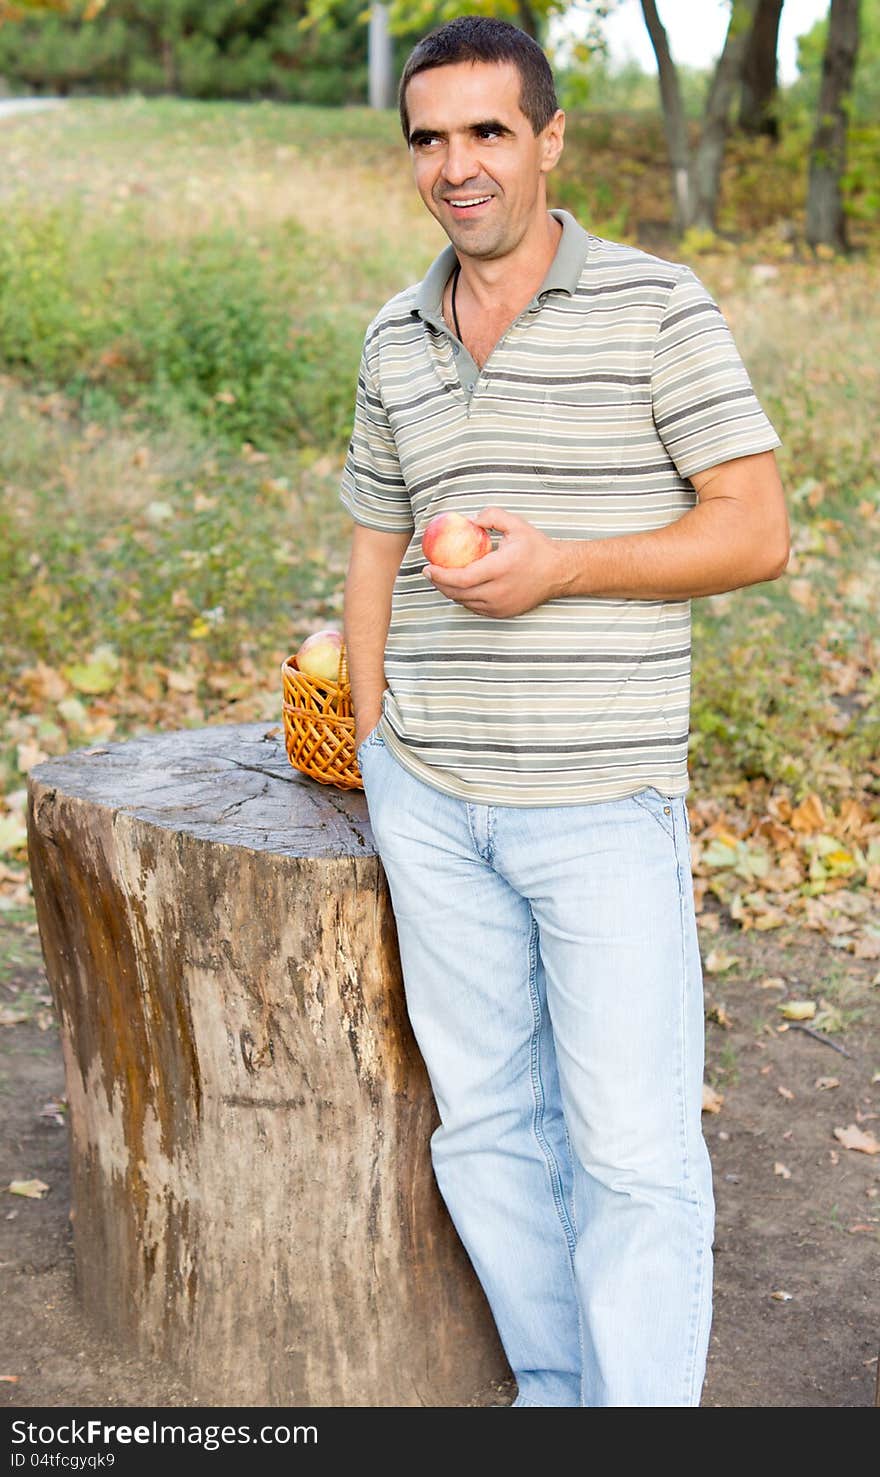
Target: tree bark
x=674, y=120
x=250, y=1117
x=760, y=81
x=713, y=137
x=528, y=21
x=379, y=59
x=826, y=222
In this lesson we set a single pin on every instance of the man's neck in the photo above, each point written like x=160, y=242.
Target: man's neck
x=498, y=283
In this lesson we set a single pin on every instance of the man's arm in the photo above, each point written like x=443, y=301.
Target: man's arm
x=737, y=534
x=372, y=568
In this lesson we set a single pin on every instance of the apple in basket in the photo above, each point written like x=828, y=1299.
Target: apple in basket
x=452, y=540
x=319, y=654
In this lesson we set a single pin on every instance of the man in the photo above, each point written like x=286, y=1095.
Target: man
x=522, y=722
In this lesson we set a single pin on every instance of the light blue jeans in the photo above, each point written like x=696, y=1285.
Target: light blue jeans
x=553, y=981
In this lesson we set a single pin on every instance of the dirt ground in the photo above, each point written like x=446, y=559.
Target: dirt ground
x=797, y=1213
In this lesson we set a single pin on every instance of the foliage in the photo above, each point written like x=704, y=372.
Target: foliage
x=230, y=48
x=197, y=333
x=865, y=102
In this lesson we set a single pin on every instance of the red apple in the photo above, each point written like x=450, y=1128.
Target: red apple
x=453, y=540
x=319, y=654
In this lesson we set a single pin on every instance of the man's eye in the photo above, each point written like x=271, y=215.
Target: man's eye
x=488, y=132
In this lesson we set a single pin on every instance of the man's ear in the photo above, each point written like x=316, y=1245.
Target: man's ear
x=552, y=141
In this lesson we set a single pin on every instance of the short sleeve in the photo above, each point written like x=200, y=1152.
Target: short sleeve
x=373, y=489
x=704, y=406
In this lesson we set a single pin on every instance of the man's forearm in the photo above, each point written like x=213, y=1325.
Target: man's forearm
x=366, y=617
x=706, y=551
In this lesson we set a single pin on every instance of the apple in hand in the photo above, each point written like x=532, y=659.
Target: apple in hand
x=452, y=540
x=319, y=654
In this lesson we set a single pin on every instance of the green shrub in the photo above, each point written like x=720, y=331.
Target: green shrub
x=203, y=330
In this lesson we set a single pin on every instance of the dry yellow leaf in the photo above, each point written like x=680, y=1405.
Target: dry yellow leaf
x=782, y=1297
x=782, y=1170
x=809, y=815
x=32, y=1189
x=798, y=1010
x=712, y=1100
x=719, y=960
x=853, y=1137
x=826, y=1083
x=786, y=1092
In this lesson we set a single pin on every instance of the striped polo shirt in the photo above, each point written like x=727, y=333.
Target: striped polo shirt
x=613, y=385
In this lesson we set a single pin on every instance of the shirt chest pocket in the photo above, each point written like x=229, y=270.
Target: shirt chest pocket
x=582, y=429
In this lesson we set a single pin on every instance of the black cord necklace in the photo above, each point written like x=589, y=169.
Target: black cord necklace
x=454, y=313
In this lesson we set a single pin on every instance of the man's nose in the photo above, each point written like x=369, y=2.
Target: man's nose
x=461, y=163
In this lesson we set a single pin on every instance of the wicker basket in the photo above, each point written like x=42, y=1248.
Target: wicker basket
x=319, y=726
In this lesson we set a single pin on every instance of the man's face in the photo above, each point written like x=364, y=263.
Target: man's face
x=478, y=166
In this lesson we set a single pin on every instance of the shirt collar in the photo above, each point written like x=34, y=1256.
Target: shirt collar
x=562, y=274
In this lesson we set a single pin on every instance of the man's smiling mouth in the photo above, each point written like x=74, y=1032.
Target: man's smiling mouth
x=459, y=203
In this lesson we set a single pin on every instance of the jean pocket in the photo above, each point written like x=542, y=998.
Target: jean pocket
x=373, y=737
x=658, y=805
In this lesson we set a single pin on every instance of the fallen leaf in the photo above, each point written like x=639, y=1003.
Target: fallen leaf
x=861, y=1226
x=9, y=1379
x=853, y=1137
x=809, y=815
x=13, y=835
x=772, y=982
x=782, y=1297
x=718, y=1014
x=826, y=1083
x=28, y=754
x=33, y=1189
x=98, y=673
x=10, y=1017
x=786, y=1092
x=712, y=1100
x=782, y=1170
x=798, y=1010
x=718, y=960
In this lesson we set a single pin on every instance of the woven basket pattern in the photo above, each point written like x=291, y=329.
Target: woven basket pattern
x=319, y=726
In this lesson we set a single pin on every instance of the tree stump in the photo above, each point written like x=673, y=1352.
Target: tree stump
x=253, y=1196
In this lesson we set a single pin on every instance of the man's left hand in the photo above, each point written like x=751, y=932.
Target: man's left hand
x=520, y=574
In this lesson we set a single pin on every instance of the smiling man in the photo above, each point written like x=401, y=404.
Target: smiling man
x=522, y=723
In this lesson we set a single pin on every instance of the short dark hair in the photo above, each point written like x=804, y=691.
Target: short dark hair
x=482, y=38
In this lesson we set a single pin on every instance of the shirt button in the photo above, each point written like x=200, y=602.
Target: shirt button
x=456, y=348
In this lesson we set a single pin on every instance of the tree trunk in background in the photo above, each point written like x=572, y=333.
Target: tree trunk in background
x=826, y=223
x=757, y=107
x=710, y=151
x=380, y=85
x=674, y=120
x=527, y=19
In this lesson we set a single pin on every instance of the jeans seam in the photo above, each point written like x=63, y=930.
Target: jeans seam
x=699, y=1286
x=538, y=1093
x=555, y=1177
